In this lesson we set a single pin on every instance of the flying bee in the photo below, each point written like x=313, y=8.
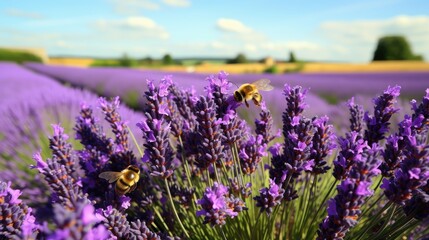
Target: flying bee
x=250, y=91
x=126, y=180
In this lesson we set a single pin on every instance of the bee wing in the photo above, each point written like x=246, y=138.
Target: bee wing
x=263, y=84
x=110, y=176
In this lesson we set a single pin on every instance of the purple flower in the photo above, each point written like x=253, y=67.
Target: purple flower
x=119, y=127
x=217, y=206
x=16, y=220
x=251, y=154
x=40, y=164
x=139, y=230
x=344, y=209
x=156, y=131
x=412, y=174
x=60, y=172
x=209, y=135
x=378, y=124
x=323, y=144
x=269, y=197
x=116, y=222
x=218, y=83
x=218, y=91
x=158, y=151
x=298, y=133
x=356, y=113
x=62, y=151
x=351, y=151
x=264, y=124
x=76, y=223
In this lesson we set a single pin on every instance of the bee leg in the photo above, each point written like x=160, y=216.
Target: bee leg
x=247, y=104
x=133, y=187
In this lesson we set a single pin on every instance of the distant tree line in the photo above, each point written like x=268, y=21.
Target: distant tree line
x=394, y=48
x=18, y=56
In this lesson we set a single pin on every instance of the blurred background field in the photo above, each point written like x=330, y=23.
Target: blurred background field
x=337, y=50
x=56, y=57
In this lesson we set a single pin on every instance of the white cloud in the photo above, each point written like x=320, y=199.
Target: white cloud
x=136, y=27
x=232, y=25
x=22, y=14
x=177, y=3
x=132, y=7
x=250, y=47
x=359, y=38
x=235, y=31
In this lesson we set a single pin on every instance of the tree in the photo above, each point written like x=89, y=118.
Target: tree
x=240, y=58
x=394, y=48
x=126, y=61
x=147, y=60
x=167, y=59
x=292, y=58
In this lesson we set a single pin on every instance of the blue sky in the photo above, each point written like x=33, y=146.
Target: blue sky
x=314, y=30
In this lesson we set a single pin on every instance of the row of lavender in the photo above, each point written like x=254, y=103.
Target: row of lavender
x=30, y=103
x=205, y=174
x=130, y=83
x=117, y=81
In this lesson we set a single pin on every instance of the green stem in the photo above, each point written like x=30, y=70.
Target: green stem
x=135, y=141
x=309, y=203
x=380, y=231
x=240, y=172
x=323, y=203
x=162, y=221
x=302, y=205
x=375, y=218
x=174, y=208
x=372, y=205
x=256, y=224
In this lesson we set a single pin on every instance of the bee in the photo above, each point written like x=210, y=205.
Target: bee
x=126, y=180
x=250, y=91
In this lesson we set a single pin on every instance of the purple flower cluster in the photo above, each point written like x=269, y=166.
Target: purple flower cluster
x=210, y=148
x=16, y=218
x=306, y=143
x=344, y=208
x=118, y=126
x=378, y=124
x=78, y=223
x=269, y=197
x=59, y=171
x=251, y=154
x=412, y=174
x=217, y=205
x=264, y=125
x=156, y=130
x=356, y=116
x=351, y=150
x=323, y=144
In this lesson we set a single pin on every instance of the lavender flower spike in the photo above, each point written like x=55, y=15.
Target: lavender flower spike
x=378, y=124
x=323, y=144
x=217, y=206
x=16, y=219
x=344, y=208
x=209, y=134
x=79, y=223
x=269, y=197
x=412, y=174
x=118, y=126
x=356, y=116
x=158, y=151
x=251, y=154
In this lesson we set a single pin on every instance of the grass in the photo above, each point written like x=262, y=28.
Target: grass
x=308, y=67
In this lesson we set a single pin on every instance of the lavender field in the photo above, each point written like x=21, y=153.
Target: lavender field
x=297, y=167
